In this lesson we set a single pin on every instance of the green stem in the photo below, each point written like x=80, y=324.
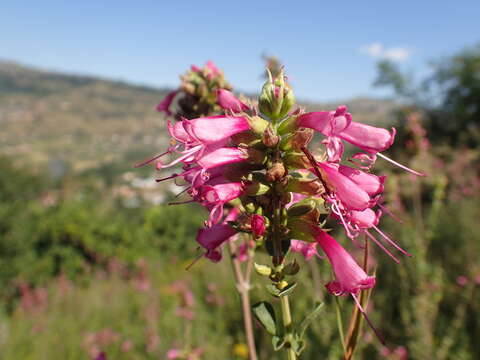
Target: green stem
x=287, y=324
x=340, y=322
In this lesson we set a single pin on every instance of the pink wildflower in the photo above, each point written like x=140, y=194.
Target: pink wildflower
x=228, y=101
x=351, y=196
x=165, y=104
x=350, y=278
x=211, y=238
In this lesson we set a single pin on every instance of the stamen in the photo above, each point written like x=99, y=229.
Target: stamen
x=152, y=159
x=390, y=241
x=189, y=266
x=360, y=308
x=337, y=211
x=400, y=165
x=181, y=202
x=390, y=213
x=380, y=245
x=167, y=178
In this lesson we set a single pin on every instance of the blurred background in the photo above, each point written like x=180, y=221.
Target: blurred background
x=92, y=260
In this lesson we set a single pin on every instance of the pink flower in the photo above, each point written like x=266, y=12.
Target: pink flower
x=228, y=101
x=216, y=194
x=165, y=104
x=214, y=129
x=200, y=137
x=174, y=354
x=365, y=219
x=329, y=123
x=308, y=250
x=211, y=238
x=351, y=196
x=350, y=278
x=257, y=223
x=369, y=138
x=221, y=156
x=372, y=184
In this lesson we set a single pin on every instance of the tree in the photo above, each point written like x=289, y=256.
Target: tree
x=449, y=98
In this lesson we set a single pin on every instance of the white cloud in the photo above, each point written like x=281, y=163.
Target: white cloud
x=378, y=51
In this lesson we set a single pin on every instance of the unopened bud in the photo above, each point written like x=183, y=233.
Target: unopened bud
x=300, y=138
x=256, y=156
x=255, y=188
x=276, y=98
x=302, y=208
x=257, y=124
x=306, y=187
x=263, y=270
x=257, y=223
x=295, y=160
x=276, y=172
x=188, y=88
x=270, y=138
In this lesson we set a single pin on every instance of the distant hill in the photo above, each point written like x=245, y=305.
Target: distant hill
x=83, y=122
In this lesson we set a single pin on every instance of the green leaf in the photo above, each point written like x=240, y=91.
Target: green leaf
x=265, y=314
x=308, y=320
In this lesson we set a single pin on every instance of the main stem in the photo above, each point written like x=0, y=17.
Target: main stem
x=243, y=288
x=287, y=324
x=278, y=260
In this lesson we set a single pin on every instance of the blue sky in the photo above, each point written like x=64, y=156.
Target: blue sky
x=329, y=48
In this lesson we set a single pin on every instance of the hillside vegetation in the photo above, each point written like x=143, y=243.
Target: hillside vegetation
x=73, y=122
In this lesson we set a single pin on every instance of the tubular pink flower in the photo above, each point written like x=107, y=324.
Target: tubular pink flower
x=372, y=184
x=365, y=219
x=350, y=278
x=213, y=129
x=369, y=138
x=329, y=123
x=257, y=223
x=165, y=104
x=228, y=101
x=215, y=196
x=211, y=238
x=221, y=156
x=352, y=196
x=177, y=132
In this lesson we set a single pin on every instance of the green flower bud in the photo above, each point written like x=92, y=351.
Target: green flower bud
x=257, y=124
x=300, y=138
x=295, y=160
x=263, y=270
x=276, y=98
x=255, y=188
x=302, y=208
x=306, y=187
